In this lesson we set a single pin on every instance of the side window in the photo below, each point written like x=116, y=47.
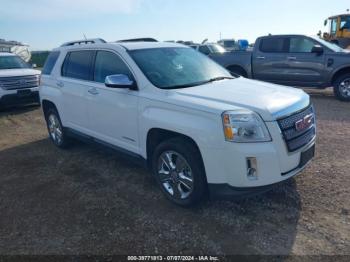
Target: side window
x=78, y=65
x=50, y=62
x=273, y=45
x=300, y=45
x=345, y=23
x=334, y=26
x=108, y=63
x=204, y=49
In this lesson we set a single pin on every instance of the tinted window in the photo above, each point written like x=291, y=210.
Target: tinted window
x=272, y=45
x=300, y=45
x=345, y=22
x=78, y=65
x=106, y=64
x=50, y=62
x=204, y=49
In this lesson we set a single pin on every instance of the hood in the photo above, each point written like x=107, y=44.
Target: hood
x=18, y=72
x=270, y=101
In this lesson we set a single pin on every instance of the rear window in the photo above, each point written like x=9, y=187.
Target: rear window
x=78, y=65
x=273, y=45
x=50, y=62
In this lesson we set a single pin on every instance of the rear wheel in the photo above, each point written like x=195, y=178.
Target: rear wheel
x=178, y=169
x=56, y=131
x=342, y=87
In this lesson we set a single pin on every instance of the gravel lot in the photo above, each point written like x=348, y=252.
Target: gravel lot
x=88, y=200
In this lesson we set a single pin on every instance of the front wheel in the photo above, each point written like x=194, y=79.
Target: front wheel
x=342, y=87
x=178, y=169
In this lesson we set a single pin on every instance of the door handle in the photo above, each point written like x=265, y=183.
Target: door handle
x=60, y=84
x=292, y=58
x=93, y=91
x=260, y=57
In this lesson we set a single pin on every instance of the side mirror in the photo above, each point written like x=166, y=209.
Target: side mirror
x=317, y=49
x=120, y=81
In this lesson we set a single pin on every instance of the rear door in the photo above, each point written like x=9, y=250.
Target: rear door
x=269, y=59
x=76, y=76
x=305, y=68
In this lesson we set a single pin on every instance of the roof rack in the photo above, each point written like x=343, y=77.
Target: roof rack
x=85, y=41
x=146, y=39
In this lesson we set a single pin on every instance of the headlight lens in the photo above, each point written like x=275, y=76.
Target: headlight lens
x=244, y=126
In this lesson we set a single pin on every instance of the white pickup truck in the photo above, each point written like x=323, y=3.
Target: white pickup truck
x=19, y=83
x=200, y=130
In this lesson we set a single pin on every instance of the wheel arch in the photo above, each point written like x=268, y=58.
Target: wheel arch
x=46, y=105
x=156, y=136
x=238, y=69
x=339, y=72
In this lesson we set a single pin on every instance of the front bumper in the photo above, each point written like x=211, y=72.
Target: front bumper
x=14, y=98
x=228, y=192
x=227, y=169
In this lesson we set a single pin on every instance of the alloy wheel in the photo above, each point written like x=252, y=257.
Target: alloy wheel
x=175, y=174
x=55, y=129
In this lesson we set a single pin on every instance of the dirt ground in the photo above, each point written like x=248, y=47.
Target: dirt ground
x=88, y=200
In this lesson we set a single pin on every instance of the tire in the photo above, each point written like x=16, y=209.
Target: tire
x=185, y=165
x=55, y=128
x=341, y=87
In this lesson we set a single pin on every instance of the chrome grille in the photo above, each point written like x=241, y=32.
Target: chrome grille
x=19, y=82
x=295, y=138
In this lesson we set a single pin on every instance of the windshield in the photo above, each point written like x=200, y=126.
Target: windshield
x=217, y=48
x=331, y=46
x=177, y=67
x=12, y=62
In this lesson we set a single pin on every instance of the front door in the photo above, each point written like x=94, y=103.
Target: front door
x=113, y=112
x=304, y=68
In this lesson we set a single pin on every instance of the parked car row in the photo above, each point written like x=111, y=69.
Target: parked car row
x=202, y=131
x=293, y=60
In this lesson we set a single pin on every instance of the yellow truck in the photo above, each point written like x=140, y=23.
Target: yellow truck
x=339, y=30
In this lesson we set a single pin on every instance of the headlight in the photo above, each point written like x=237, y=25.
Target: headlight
x=244, y=126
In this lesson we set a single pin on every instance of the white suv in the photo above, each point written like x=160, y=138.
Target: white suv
x=19, y=83
x=199, y=129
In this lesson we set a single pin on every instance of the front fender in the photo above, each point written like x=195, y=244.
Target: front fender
x=202, y=127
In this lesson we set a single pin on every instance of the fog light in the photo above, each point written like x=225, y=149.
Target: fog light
x=252, y=168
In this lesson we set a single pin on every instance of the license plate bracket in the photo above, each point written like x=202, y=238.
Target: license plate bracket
x=24, y=93
x=306, y=156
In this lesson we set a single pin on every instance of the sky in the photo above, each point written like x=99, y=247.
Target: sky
x=46, y=24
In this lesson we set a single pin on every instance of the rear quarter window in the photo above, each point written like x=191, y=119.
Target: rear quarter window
x=50, y=62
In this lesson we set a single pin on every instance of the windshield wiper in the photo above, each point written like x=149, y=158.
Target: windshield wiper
x=185, y=85
x=219, y=78
x=199, y=83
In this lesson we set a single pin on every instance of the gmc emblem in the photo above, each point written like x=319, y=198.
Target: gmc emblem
x=304, y=123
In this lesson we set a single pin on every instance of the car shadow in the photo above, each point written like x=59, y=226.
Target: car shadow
x=16, y=110
x=87, y=200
